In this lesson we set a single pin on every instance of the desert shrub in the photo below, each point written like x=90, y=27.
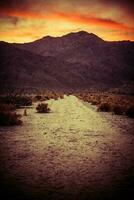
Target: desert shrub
x=42, y=108
x=9, y=118
x=61, y=96
x=117, y=109
x=6, y=99
x=37, y=97
x=104, y=107
x=94, y=102
x=18, y=101
x=46, y=97
x=7, y=107
x=21, y=101
x=130, y=112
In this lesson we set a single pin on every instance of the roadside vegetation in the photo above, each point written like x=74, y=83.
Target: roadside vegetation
x=44, y=96
x=107, y=102
x=10, y=102
x=8, y=115
x=43, y=108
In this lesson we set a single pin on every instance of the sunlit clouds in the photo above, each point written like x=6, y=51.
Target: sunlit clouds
x=25, y=21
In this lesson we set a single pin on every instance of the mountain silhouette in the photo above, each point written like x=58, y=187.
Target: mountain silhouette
x=74, y=61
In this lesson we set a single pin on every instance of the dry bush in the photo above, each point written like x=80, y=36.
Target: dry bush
x=42, y=108
x=18, y=101
x=21, y=101
x=130, y=112
x=118, y=110
x=94, y=102
x=37, y=98
x=61, y=96
x=8, y=116
x=107, y=102
x=9, y=119
x=53, y=95
x=104, y=107
x=7, y=107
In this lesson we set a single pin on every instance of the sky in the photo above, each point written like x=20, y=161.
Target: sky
x=28, y=20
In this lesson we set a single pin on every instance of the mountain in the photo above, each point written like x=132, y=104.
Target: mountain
x=74, y=61
x=20, y=68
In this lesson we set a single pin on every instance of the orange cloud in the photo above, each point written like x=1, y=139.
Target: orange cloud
x=72, y=17
x=91, y=20
x=57, y=22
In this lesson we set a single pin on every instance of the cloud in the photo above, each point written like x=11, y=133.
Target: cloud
x=114, y=15
x=126, y=6
x=9, y=20
x=87, y=19
x=73, y=17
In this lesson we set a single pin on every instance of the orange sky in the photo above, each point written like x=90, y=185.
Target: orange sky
x=28, y=20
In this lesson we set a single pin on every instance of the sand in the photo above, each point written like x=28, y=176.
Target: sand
x=74, y=152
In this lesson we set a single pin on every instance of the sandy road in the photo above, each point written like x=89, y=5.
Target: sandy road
x=73, y=152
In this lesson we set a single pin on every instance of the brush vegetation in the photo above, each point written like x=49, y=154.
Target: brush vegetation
x=107, y=102
x=43, y=108
x=8, y=115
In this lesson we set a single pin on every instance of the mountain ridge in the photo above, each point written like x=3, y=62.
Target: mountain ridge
x=75, y=61
x=82, y=32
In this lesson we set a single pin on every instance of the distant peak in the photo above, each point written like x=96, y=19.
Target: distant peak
x=79, y=33
x=48, y=37
x=83, y=34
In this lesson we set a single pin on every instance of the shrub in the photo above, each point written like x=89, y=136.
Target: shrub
x=43, y=108
x=6, y=107
x=118, y=110
x=130, y=112
x=46, y=97
x=37, y=97
x=94, y=102
x=21, y=101
x=6, y=99
x=9, y=118
x=104, y=107
x=61, y=96
x=18, y=101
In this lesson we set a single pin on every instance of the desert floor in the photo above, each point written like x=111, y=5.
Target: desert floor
x=73, y=153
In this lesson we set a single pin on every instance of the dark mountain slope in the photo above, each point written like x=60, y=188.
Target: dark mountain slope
x=20, y=68
x=81, y=47
x=74, y=61
x=88, y=49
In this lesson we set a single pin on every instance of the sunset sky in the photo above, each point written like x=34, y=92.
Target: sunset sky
x=28, y=20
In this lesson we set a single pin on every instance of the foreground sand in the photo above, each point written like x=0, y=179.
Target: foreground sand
x=73, y=152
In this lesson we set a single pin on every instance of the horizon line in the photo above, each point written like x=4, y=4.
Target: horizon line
x=72, y=32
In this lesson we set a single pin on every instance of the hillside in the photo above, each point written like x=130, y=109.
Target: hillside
x=74, y=61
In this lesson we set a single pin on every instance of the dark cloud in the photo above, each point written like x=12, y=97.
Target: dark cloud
x=38, y=7
x=125, y=5
x=12, y=3
x=20, y=4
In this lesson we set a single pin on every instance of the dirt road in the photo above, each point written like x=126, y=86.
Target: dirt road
x=72, y=153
